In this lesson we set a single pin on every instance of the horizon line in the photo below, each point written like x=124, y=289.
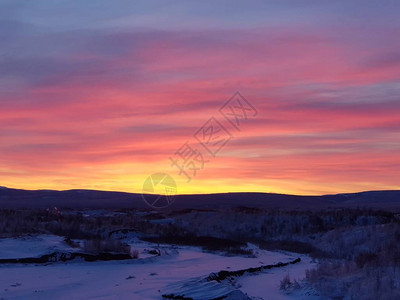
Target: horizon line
x=194, y=194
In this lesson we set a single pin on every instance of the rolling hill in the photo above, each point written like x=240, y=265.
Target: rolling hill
x=93, y=199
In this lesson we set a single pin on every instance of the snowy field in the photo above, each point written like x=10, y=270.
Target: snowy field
x=177, y=269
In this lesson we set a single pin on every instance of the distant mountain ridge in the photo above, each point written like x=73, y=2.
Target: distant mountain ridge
x=93, y=199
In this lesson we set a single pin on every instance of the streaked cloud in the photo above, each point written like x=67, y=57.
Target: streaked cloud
x=99, y=95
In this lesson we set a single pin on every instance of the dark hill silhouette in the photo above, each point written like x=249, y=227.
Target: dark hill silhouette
x=92, y=199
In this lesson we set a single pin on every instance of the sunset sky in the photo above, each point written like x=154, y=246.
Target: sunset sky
x=101, y=94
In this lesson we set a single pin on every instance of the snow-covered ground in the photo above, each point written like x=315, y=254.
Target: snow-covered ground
x=266, y=284
x=145, y=278
x=32, y=246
